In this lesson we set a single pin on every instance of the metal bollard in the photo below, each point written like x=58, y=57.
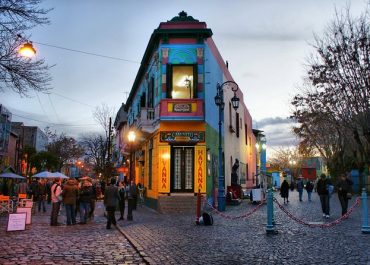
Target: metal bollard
x=365, y=216
x=199, y=199
x=270, y=228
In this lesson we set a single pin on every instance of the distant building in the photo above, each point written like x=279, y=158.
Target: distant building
x=5, y=130
x=30, y=136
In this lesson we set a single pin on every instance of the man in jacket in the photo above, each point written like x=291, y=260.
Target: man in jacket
x=131, y=194
x=111, y=198
x=322, y=190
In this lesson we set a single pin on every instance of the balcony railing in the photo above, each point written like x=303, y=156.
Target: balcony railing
x=147, y=120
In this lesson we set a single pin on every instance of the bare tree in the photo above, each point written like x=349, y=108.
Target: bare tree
x=17, y=73
x=334, y=109
x=102, y=114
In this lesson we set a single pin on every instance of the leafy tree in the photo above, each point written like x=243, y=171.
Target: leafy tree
x=44, y=160
x=18, y=73
x=333, y=109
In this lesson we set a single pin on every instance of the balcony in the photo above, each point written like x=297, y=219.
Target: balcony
x=182, y=109
x=146, y=120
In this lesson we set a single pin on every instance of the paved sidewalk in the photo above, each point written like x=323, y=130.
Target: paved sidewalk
x=175, y=239
x=42, y=244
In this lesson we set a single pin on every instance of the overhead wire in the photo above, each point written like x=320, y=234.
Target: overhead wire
x=55, y=124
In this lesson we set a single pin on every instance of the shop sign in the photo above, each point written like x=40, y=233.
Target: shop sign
x=181, y=107
x=181, y=136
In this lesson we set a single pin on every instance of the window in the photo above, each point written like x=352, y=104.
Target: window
x=181, y=83
x=246, y=134
x=151, y=93
x=237, y=124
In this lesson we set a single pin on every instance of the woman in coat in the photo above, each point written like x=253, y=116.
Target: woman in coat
x=284, y=191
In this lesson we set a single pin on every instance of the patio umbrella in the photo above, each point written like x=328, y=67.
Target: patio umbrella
x=60, y=175
x=44, y=174
x=11, y=175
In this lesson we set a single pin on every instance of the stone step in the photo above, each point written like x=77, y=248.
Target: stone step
x=177, y=204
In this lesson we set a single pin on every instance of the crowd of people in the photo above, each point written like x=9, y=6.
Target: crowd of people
x=324, y=188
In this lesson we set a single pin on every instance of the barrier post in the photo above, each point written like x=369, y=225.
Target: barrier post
x=270, y=228
x=199, y=197
x=365, y=217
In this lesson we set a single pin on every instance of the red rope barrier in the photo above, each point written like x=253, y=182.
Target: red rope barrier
x=326, y=225
x=230, y=217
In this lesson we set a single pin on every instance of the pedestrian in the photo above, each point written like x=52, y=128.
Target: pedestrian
x=85, y=194
x=300, y=187
x=309, y=189
x=41, y=195
x=284, y=191
x=56, y=200
x=122, y=196
x=132, y=193
x=344, y=187
x=94, y=197
x=23, y=187
x=322, y=190
x=111, y=197
x=291, y=185
x=48, y=190
x=70, y=193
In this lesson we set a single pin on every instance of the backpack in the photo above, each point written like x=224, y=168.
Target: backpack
x=207, y=219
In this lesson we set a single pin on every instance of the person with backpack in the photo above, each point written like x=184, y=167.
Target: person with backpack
x=309, y=189
x=56, y=200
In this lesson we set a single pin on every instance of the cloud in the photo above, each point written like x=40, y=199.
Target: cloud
x=278, y=131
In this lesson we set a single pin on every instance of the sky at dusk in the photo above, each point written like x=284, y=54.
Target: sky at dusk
x=266, y=43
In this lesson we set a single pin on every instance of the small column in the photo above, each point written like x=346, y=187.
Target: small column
x=365, y=215
x=270, y=228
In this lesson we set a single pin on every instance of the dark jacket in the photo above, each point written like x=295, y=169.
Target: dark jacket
x=86, y=193
x=322, y=187
x=344, y=186
x=284, y=189
x=309, y=186
x=111, y=196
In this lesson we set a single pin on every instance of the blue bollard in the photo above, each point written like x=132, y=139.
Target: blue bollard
x=270, y=228
x=365, y=216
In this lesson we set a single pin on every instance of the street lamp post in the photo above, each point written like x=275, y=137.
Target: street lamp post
x=219, y=101
x=131, y=140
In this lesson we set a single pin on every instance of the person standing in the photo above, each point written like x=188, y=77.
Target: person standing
x=111, y=197
x=300, y=187
x=41, y=195
x=322, y=190
x=284, y=190
x=122, y=196
x=56, y=192
x=309, y=189
x=85, y=195
x=344, y=187
x=70, y=193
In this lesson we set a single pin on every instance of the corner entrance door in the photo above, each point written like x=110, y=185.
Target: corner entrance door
x=183, y=169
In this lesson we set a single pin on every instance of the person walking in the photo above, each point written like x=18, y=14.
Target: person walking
x=70, y=193
x=322, y=190
x=284, y=191
x=122, y=196
x=300, y=187
x=56, y=192
x=344, y=187
x=111, y=197
x=85, y=194
x=309, y=189
x=132, y=193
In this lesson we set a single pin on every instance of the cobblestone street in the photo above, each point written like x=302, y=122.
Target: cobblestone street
x=175, y=239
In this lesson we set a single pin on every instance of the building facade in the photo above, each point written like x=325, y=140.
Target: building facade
x=172, y=112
